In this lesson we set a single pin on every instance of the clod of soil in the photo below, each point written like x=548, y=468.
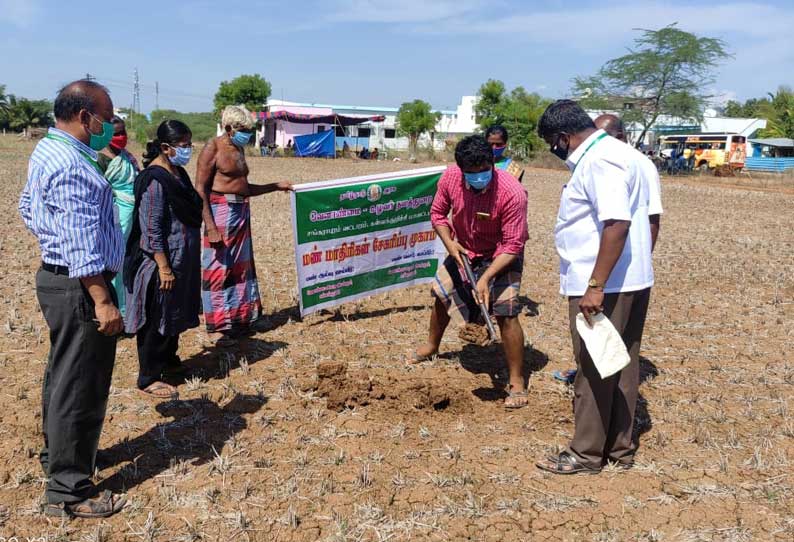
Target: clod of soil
x=474, y=334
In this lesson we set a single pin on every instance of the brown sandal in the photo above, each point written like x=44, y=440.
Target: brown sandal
x=102, y=506
x=565, y=463
x=160, y=390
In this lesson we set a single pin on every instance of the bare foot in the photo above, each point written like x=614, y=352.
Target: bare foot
x=423, y=353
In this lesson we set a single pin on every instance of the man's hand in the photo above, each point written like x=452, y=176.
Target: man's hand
x=455, y=249
x=483, y=291
x=167, y=279
x=214, y=237
x=109, y=318
x=284, y=186
x=592, y=303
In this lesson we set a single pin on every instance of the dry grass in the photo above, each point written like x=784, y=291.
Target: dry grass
x=251, y=453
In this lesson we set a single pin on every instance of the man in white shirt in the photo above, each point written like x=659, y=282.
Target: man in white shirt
x=612, y=125
x=603, y=237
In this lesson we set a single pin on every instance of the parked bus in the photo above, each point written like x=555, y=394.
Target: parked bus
x=710, y=150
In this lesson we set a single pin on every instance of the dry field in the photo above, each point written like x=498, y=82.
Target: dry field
x=259, y=449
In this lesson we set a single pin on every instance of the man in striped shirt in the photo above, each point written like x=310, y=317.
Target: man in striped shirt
x=481, y=211
x=68, y=205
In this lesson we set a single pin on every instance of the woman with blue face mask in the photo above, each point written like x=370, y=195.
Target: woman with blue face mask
x=162, y=268
x=497, y=137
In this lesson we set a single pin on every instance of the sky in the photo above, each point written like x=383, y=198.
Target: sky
x=368, y=52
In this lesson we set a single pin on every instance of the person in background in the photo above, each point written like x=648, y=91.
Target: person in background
x=120, y=168
x=163, y=260
x=480, y=211
x=68, y=205
x=374, y=155
x=263, y=146
x=364, y=154
x=497, y=137
x=289, y=144
x=230, y=291
x=613, y=125
x=603, y=238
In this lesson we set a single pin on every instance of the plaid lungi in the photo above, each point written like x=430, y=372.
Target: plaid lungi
x=455, y=293
x=229, y=289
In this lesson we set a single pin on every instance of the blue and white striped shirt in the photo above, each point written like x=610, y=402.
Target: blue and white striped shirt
x=68, y=205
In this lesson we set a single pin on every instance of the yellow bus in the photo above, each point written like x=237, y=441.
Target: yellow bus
x=710, y=150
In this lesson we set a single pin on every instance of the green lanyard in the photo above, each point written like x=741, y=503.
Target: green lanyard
x=590, y=146
x=85, y=155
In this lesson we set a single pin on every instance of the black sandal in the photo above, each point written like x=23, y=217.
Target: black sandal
x=565, y=463
x=102, y=506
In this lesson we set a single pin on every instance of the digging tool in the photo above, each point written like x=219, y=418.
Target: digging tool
x=483, y=309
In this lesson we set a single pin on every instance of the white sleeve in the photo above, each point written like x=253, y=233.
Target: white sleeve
x=654, y=191
x=608, y=187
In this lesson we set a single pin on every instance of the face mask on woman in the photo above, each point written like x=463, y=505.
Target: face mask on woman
x=241, y=139
x=182, y=156
x=498, y=151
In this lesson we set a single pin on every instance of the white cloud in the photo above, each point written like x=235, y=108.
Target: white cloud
x=20, y=13
x=403, y=11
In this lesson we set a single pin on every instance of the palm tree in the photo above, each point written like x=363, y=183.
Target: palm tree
x=4, y=106
x=25, y=114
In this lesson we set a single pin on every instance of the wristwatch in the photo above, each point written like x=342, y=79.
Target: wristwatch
x=593, y=283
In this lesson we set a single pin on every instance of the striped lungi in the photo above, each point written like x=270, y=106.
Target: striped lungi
x=450, y=287
x=229, y=289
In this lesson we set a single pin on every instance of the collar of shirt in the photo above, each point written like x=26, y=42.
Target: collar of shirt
x=76, y=143
x=579, y=152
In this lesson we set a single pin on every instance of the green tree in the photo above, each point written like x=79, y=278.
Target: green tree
x=3, y=101
x=24, y=114
x=249, y=90
x=663, y=74
x=779, y=114
x=414, y=119
x=518, y=111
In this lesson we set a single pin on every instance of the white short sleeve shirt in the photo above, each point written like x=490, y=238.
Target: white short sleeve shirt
x=607, y=183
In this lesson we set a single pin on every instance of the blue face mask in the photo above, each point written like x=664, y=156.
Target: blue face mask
x=182, y=156
x=498, y=151
x=241, y=139
x=480, y=180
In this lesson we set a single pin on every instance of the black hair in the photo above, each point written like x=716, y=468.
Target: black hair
x=564, y=116
x=169, y=132
x=497, y=129
x=117, y=120
x=473, y=151
x=74, y=97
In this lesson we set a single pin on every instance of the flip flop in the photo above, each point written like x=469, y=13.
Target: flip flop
x=413, y=357
x=151, y=391
x=566, y=377
x=516, y=394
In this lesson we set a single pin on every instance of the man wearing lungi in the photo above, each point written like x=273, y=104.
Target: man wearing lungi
x=230, y=292
x=480, y=211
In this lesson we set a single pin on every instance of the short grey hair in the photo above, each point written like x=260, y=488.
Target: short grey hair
x=238, y=117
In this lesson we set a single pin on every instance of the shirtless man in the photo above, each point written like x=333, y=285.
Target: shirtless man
x=230, y=292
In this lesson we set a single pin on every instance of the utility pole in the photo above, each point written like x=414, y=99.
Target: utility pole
x=89, y=77
x=156, y=95
x=136, y=93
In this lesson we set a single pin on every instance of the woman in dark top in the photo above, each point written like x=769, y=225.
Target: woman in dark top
x=162, y=265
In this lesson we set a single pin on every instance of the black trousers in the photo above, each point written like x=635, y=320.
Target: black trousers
x=75, y=389
x=155, y=351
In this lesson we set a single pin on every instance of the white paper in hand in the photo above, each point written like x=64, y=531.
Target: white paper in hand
x=604, y=344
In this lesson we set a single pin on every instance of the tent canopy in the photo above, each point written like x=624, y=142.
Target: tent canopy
x=299, y=118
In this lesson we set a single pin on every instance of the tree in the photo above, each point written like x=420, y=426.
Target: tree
x=252, y=91
x=24, y=114
x=414, y=119
x=518, y=111
x=750, y=109
x=664, y=74
x=3, y=101
x=779, y=114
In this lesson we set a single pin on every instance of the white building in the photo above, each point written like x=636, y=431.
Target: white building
x=381, y=135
